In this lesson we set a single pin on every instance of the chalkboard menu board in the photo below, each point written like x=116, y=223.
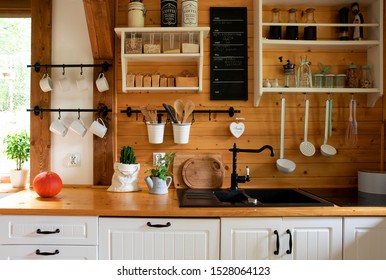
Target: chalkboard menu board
x=228, y=53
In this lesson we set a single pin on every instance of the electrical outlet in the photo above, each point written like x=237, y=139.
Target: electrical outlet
x=73, y=160
x=157, y=157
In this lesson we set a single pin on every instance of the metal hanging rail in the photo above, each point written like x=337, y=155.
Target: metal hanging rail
x=37, y=66
x=102, y=110
x=231, y=112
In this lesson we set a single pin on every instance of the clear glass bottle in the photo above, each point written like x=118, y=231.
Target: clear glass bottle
x=365, y=80
x=275, y=30
x=292, y=32
x=310, y=31
x=304, y=73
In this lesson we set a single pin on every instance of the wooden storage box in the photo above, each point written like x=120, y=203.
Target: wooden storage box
x=186, y=81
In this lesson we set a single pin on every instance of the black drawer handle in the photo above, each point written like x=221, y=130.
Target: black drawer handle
x=39, y=231
x=289, y=251
x=168, y=224
x=276, y=252
x=37, y=252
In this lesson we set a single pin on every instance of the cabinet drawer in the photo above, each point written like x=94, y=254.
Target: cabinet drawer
x=64, y=230
x=48, y=252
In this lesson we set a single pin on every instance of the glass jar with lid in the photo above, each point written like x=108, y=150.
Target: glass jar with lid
x=310, y=31
x=352, y=76
x=292, y=31
x=365, y=80
x=275, y=30
x=318, y=80
x=329, y=80
x=340, y=80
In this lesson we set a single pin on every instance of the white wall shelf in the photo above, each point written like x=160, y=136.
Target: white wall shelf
x=372, y=45
x=198, y=58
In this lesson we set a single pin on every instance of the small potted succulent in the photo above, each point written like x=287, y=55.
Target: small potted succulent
x=17, y=147
x=160, y=177
x=125, y=178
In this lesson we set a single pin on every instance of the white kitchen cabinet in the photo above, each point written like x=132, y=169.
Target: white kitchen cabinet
x=298, y=238
x=48, y=237
x=372, y=44
x=166, y=58
x=364, y=238
x=160, y=239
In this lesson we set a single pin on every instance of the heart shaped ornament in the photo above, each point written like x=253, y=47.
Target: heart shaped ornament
x=237, y=129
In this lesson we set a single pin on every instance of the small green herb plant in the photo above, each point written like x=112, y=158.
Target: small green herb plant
x=127, y=155
x=17, y=147
x=162, y=169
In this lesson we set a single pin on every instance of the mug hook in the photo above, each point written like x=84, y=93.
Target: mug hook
x=78, y=114
x=59, y=114
x=81, y=69
x=64, y=71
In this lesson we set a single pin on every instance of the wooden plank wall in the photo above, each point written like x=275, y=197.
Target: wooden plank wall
x=262, y=123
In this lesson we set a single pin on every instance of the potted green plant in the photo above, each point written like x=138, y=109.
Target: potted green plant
x=125, y=178
x=160, y=177
x=17, y=147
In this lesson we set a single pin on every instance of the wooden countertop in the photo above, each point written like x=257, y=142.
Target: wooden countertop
x=96, y=201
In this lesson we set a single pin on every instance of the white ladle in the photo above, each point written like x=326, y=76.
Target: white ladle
x=307, y=148
x=327, y=150
x=282, y=164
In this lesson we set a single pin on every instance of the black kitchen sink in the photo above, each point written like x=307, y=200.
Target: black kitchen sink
x=248, y=198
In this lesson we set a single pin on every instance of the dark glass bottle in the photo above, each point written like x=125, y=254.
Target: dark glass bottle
x=292, y=32
x=310, y=31
x=168, y=13
x=275, y=30
x=343, y=18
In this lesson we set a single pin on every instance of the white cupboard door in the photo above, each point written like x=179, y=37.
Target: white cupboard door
x=48, y=252
x=160, y=239
x=250, y=238
x=311, y=238
x=364, y=238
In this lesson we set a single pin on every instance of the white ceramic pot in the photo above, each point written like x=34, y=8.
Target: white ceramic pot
x=372, y=182
x=125, y=178
x=19, y=178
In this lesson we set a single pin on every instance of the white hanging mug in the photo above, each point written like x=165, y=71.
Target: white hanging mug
x=101, y=83
x=45, y=83
x=98, y=128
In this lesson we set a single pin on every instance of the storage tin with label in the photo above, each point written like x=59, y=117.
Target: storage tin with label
x=189, y=13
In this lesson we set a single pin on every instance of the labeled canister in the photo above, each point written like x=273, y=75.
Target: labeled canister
x=136, y=14
x=189, y=13
x=168, y=13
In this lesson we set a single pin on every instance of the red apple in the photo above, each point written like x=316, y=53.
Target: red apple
x=47, y=184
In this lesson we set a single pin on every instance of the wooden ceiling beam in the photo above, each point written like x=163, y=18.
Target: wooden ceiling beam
x=100, y=28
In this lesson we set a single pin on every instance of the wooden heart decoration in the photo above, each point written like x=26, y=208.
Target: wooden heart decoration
x=237, y=129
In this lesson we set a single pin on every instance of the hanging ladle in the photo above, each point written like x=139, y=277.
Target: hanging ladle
x=282, y=164
x=325, y=149
x=307, y=148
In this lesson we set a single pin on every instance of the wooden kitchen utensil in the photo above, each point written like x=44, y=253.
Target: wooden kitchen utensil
x=203, y=173
x=152, y=111
x=188, y=110
x=179, y=108
x=195, y=163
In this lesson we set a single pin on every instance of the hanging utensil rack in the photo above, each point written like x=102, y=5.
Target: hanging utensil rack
x=231, y=112
x=37, y=66
x=102, y=110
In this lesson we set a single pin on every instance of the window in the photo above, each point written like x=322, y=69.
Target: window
x=15, y=55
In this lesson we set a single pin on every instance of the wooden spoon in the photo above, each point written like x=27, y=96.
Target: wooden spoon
x=188, y=109
x=179, y=108
x=145, y=113
x=152, y=111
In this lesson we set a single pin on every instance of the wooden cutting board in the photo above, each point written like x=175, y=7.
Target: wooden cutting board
x=198, y=171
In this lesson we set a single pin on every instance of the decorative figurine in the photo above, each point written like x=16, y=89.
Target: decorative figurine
x=358, y=19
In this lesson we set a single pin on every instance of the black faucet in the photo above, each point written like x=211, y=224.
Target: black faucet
x=235, y=178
